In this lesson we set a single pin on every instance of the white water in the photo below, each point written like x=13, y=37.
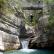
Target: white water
x=1, y=52
x=27, y=50
x=24, y=44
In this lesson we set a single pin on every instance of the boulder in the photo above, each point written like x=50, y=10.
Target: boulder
x=9, y=41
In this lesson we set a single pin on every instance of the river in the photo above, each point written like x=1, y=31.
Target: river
x=25, y=50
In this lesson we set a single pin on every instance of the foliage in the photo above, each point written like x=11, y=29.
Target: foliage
x=7, y=6
x=50, y=27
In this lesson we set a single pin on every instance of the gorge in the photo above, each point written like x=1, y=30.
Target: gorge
x=26, y=26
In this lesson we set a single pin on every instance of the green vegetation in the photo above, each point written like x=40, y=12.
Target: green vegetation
x=12, y=6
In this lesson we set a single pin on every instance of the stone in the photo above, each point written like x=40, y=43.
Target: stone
x=8, y=41
x=9, y=34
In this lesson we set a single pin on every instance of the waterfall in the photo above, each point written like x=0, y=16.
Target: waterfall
x=25, y=48
x=24, y=44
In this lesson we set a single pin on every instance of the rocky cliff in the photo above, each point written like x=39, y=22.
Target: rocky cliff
x=44, y=38
x=9, y=32
x=27, y=19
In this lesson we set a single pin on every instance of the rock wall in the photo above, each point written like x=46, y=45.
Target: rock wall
x=9, y=33
x=42, y=40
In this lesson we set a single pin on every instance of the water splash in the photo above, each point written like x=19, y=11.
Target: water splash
x=24, y=44
x=27, y=50
x=1, y=53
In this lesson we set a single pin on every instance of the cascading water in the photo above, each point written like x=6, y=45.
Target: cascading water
x=24, y=44
x=25, y=47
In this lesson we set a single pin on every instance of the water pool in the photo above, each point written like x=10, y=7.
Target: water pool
x=29, y=51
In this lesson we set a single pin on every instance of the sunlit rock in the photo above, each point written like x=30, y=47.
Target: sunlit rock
x=8, y=41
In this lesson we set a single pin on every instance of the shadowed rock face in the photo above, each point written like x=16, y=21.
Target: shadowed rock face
x=41, y=44
x=42, y=40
